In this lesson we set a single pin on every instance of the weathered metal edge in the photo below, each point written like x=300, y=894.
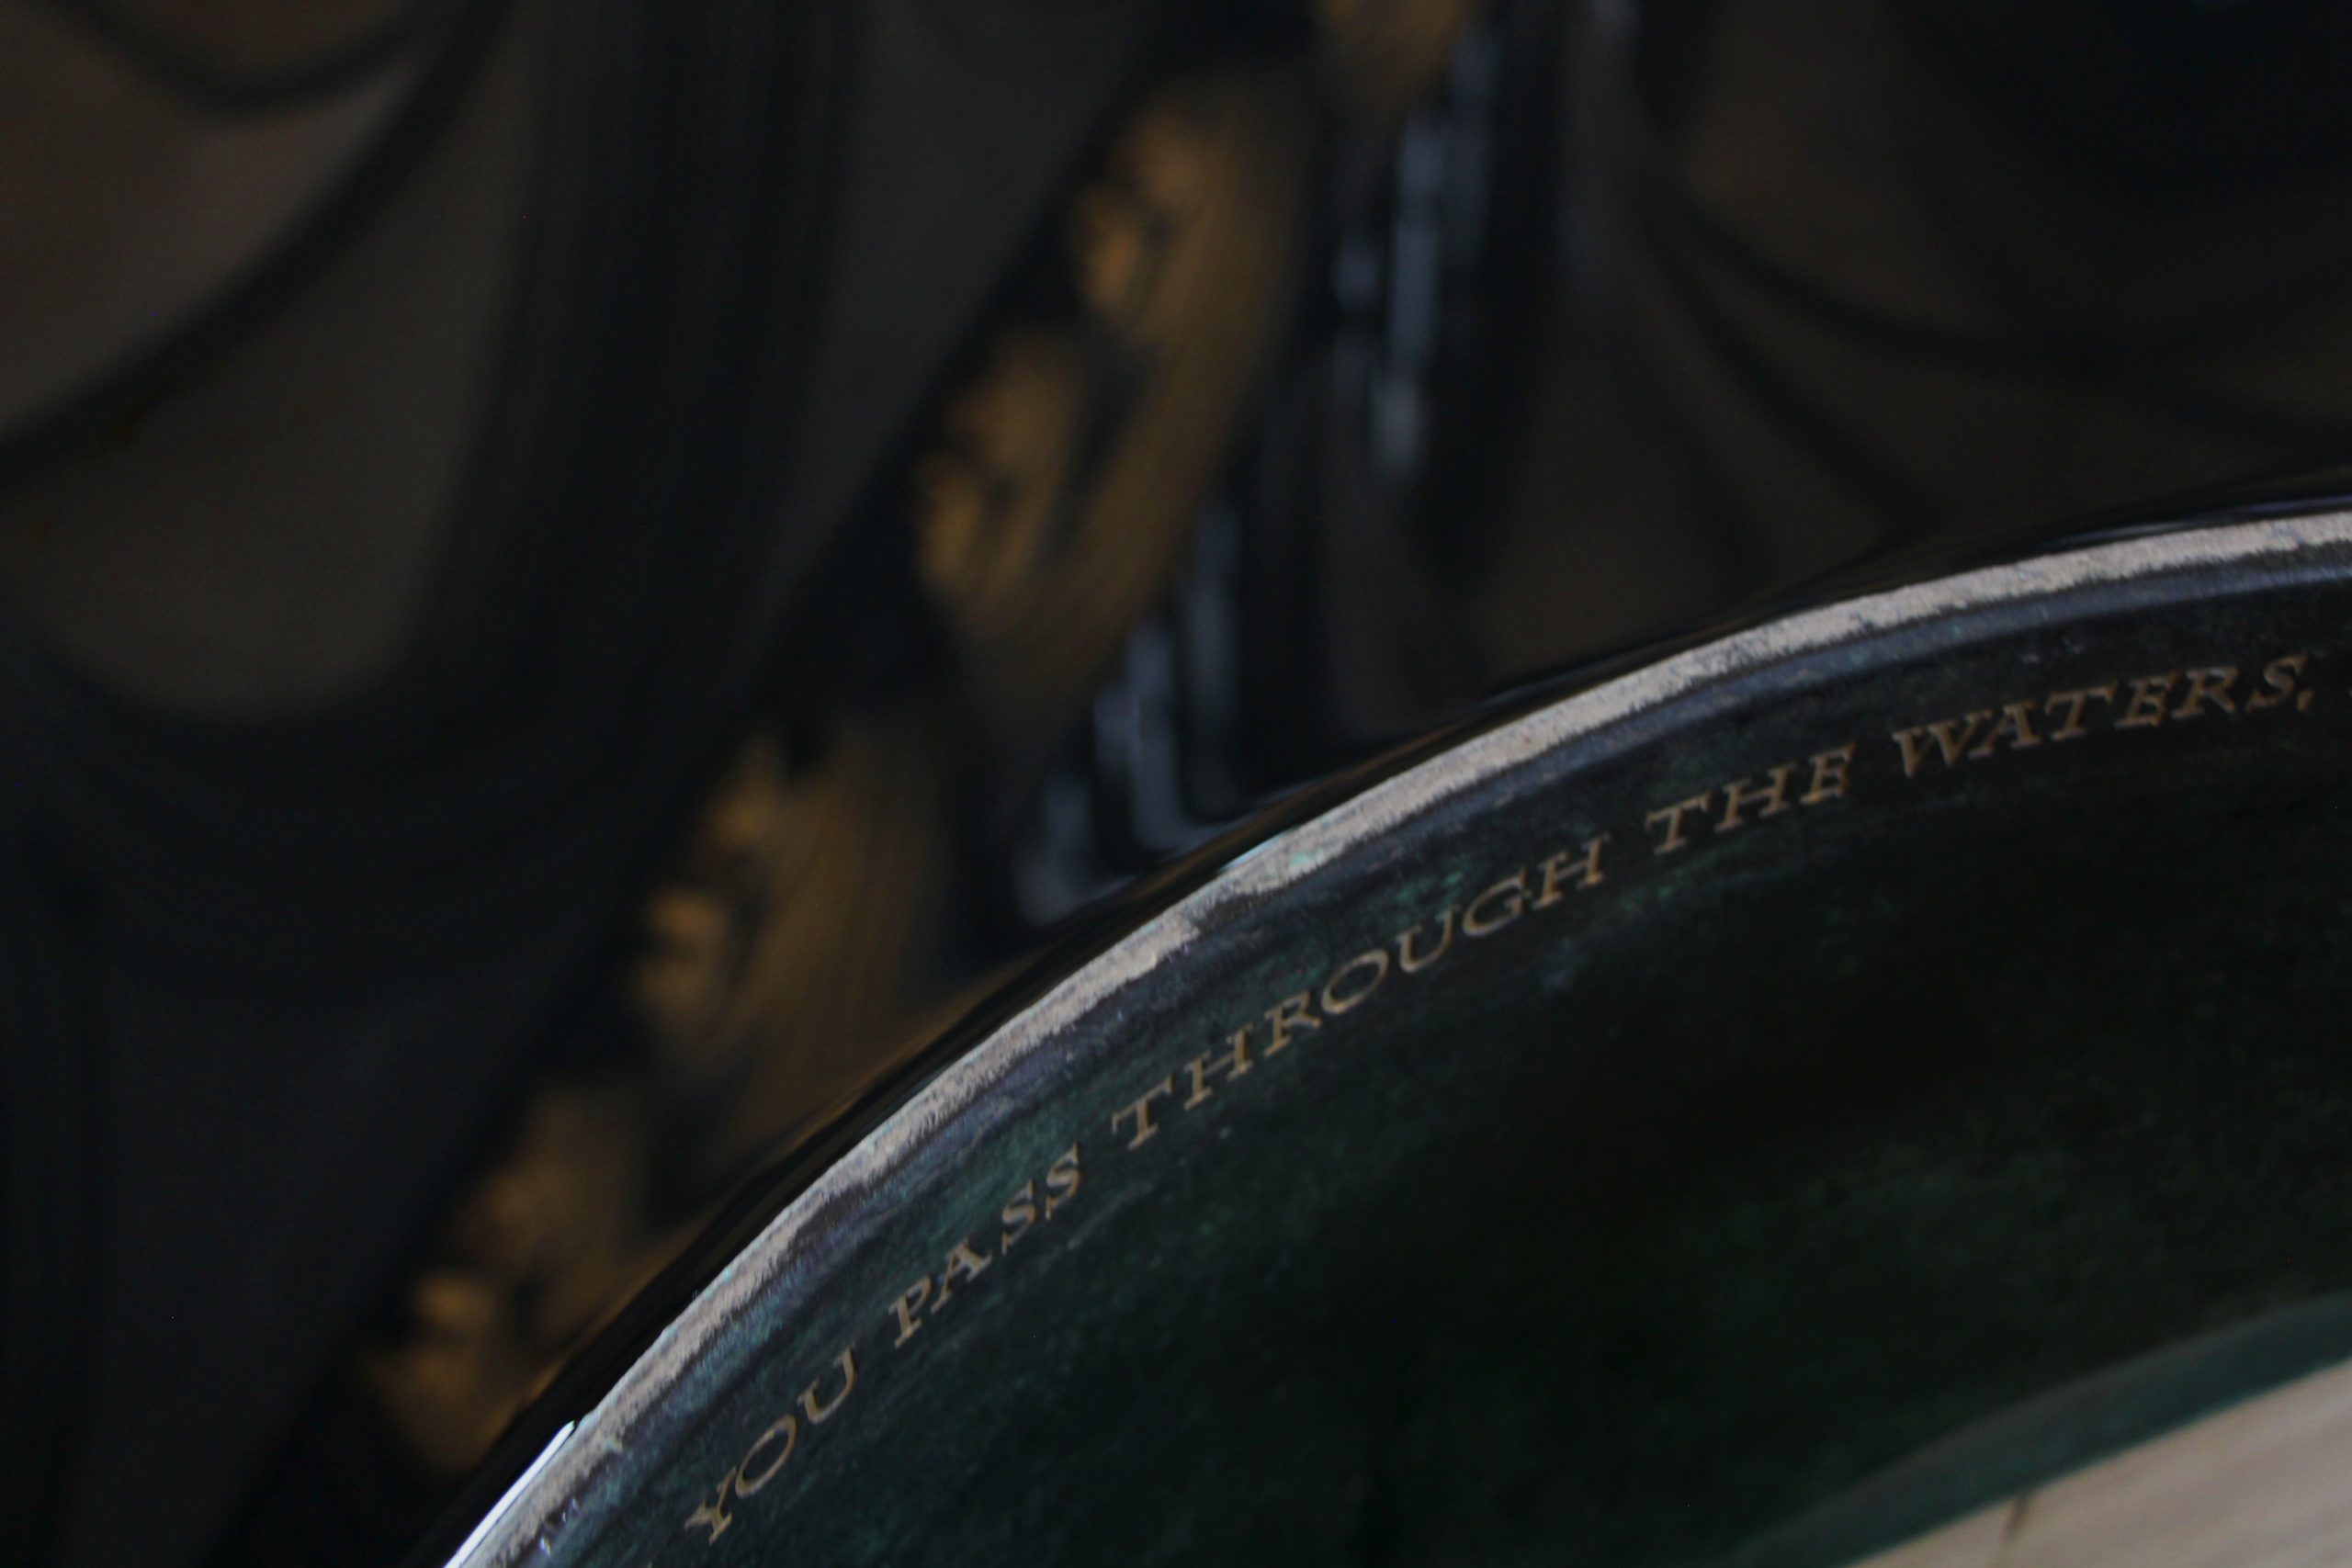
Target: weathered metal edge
x=538, y=1501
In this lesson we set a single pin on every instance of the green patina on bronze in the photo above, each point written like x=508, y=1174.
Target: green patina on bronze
x=1652, y=1218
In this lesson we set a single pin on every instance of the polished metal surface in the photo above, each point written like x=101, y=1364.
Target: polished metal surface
x=1217, y=1162
x=581, y=584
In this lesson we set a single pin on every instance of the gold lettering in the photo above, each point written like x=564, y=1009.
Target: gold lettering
x=1412, y=963
x=1061, y=1180
x=1334, y=1004
x=1584, y=864
x=2073, y=725
x=2016, y=722
x=1739, y=796
x=789, y=1430
x=1830, y=775
x=2146, y=708
x=1291, y=1013
x=1233, y=1063
x=1141, y=1112
x=713, y=1516
x=818, y=1414
x=1512, y=889
x=1951, y=736
x=1019, y=1213
x=963, y=1263
x=2208, y=686
x=1672, y=817
x=2279, y=683
x=909, y=1303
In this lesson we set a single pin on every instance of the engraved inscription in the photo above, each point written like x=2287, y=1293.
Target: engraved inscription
x=1034, y=1204
x=1514, y=897
x=2128, y=703
x=773, y=1448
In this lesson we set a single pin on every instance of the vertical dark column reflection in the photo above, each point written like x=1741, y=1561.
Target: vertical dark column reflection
x=1789, y=285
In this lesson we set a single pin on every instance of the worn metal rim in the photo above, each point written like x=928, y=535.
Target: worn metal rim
x=781, y=1255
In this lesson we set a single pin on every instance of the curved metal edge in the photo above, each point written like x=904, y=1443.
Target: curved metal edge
x=540, y=1500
